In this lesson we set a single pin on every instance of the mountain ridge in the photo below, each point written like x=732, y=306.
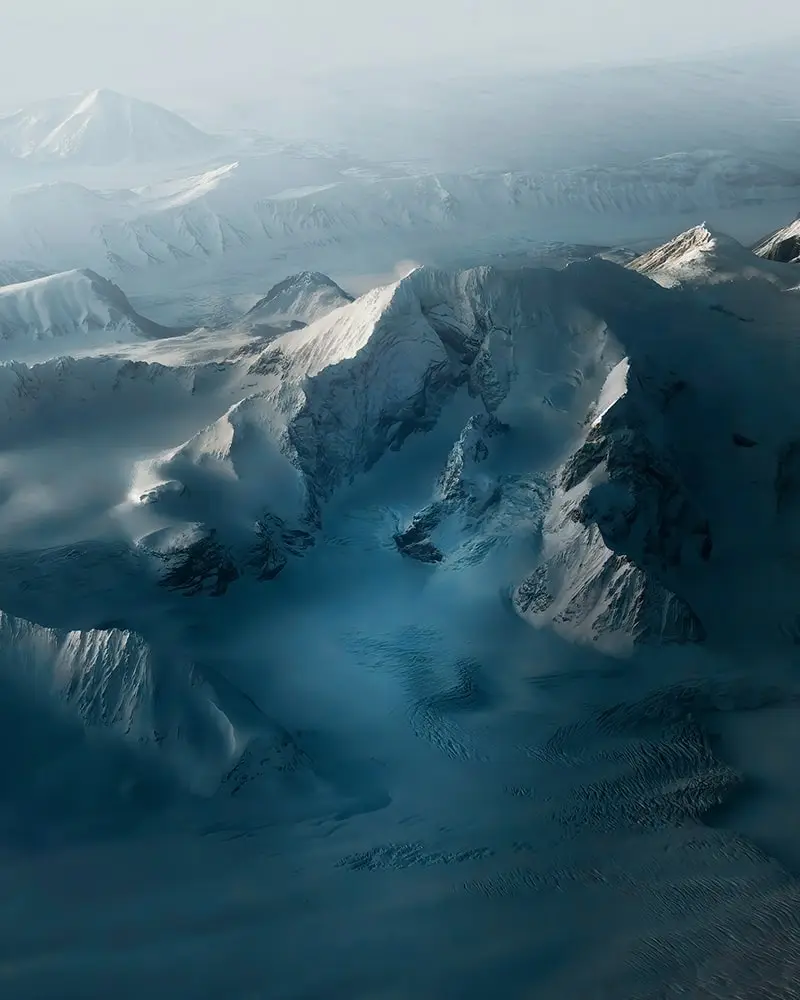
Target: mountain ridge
x=72, y=308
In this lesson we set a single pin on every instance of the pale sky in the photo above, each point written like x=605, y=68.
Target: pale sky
x=164, y=48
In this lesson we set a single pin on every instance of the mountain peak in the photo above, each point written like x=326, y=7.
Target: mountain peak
x=298, y=300
x=782, y=246
x=696, y=254
x=100, y=127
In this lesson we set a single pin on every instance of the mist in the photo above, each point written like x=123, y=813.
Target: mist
x=168, y=52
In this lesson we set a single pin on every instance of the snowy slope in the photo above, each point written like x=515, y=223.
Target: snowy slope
x=101, y=128
x=298, y=300
x=74, y=309
x=702, y=256
x=783, y=245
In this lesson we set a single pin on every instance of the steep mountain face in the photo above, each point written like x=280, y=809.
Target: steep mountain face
x=111, y=681
x=621, y=530
x=637, y=540
x=562, y=409
x=297, y=301
x=783, y=245
x=703, y=257
x=101, y=128
x=105, y=730
x=73, y=309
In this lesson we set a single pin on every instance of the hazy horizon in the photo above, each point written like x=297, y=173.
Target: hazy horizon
x=157, y=49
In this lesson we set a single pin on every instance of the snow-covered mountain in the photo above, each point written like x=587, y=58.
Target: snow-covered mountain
x=783, y=245
x=297, y=301
x=559, y=415
x=524, y=430
x=703, y=256
x=539, y=352
x=101, y=128
x=455, y=591
x=73, y=309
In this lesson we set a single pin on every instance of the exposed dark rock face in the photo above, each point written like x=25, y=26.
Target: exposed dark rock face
x=625, y=524
x=275, y=543
x=203, y=566
x=533, y=594
x=461, y=490
x=785, y=250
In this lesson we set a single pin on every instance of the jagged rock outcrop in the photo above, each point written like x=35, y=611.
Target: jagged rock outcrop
x=476, y=504
x=191, y=561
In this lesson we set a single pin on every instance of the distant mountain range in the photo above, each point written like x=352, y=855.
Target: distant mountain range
x=291, y=200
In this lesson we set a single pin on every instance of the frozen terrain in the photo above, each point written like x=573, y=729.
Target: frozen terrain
x=197, y=228
x=436, y=643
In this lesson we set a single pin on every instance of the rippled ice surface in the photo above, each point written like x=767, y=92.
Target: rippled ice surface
x=469, y=809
